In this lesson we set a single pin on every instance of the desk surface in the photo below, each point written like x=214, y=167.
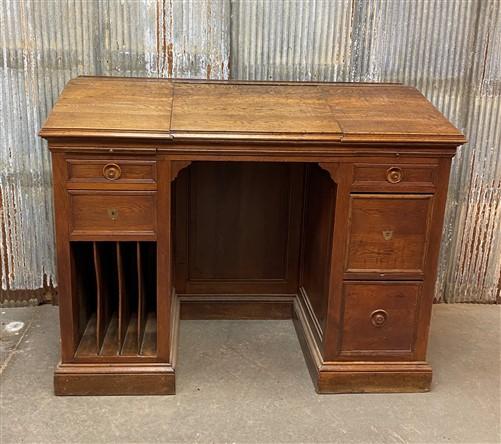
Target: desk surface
x=190, y=110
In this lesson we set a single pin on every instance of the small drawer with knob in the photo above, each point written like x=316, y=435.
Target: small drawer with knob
x=112, y=214
x=380, y=319
x=394, y=177
x=83, y=173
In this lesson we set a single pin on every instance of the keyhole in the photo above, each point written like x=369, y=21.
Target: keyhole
x=113, y=213
x=387, y=234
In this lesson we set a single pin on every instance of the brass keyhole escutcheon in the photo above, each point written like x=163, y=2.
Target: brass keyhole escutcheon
x=112, y=171
x=394, y=175
x=379, y=317
x=387, y=235
x=113, y=213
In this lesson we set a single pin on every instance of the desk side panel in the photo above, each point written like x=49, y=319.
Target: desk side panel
x=318, y=217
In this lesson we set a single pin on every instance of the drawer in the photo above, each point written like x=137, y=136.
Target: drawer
x=394, y=177
x=380, y=319
x=111, y=171
x=128, y=214
x=388, y=235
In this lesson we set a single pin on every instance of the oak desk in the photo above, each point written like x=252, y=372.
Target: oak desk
x=176, y=199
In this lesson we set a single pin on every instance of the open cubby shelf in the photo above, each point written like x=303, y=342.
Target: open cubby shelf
x=116, y=296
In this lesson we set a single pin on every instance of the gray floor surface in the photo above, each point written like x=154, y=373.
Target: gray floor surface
x=246, y=381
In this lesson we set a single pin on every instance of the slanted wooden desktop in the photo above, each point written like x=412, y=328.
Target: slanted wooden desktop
x=317, y=202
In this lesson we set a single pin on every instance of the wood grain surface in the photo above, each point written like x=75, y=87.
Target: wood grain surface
x=243, y=111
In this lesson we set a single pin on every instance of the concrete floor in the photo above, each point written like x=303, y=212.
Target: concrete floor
x=246, y=381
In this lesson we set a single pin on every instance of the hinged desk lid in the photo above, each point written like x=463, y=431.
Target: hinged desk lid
x=247, y=111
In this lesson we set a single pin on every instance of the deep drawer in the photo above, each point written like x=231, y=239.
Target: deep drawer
x=388, y=234
x=380, y=319
x=394, y=177
x=114, y=213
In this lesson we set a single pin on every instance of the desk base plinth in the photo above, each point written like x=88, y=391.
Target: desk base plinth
x=98, y=380
x=374, y=378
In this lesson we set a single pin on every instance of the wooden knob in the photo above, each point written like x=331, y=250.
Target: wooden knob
x=394, y=175
x=379, y=317
x=112, y=171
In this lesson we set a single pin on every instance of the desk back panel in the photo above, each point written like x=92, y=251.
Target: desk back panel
x=237, y=228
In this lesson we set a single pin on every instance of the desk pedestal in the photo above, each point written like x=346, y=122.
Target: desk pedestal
x=345, y=247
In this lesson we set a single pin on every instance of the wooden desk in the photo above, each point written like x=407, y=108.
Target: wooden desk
x=176, y=199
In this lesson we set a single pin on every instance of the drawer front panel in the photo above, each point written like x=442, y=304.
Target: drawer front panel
x=380, y=319
x=388, y=234
x=113, y=213
x=394, y=177
x=111, y=171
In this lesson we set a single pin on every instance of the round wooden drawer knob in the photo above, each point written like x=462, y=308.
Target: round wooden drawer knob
x=394, y=175
x=112, y=171
x=379, y=317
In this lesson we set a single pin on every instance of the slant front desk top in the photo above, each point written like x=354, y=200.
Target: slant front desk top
x=245, y=111
x=322, y=203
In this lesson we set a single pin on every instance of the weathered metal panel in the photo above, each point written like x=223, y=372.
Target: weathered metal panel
x=448, y=49
x=198, y=41
x=471, y=262
x=291, y=40
x=43, y=45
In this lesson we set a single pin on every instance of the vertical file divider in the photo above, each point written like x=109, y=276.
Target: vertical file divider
x=109, y=296
x=141, y=303
x=149, y=267
x=122, y=300
x=100, y=302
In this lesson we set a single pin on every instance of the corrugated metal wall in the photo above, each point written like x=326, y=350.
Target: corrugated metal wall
x=43, y=45
x=450, y=50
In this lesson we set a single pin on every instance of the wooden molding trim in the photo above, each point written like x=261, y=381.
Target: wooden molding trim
x=331, y=168
x=174, y=333
x=311, y=318
x=177, y=166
